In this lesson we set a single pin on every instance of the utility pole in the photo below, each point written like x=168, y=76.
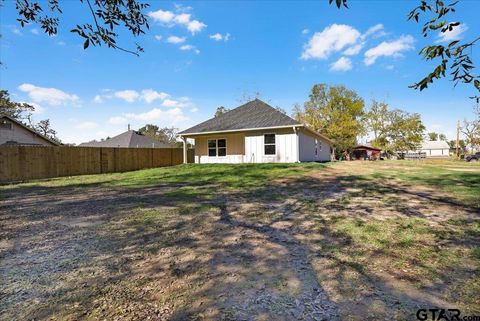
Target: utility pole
x=457, y=143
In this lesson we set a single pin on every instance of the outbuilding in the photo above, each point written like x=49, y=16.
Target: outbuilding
x=366, y=152
x=435, y=149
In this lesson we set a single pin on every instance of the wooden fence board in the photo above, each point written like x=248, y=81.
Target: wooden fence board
x=21, y=163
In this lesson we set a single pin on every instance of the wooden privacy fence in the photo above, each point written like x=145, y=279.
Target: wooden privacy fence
x=20, y=163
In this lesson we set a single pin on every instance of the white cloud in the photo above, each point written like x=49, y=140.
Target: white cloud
x=389, y=49
x=51, y=96
x=130, y=95
x=150, y=95
x=195, y=26
x=305, y=31
x=127, y=95
x=173, y=115
x=190, y=47
x=332, y=39
x=183, y=19
x=374, y=31
x=455, y=34
x=98, y=99
x=353, y=50
x=342, y=64
x=35, y=31
x=194, y=109
x=181, y=102
x=158, y=37
x=117, y=120
x=175, y=39
x=218, y=37
x=87, y=125
x=14, y=29
x=162, y=16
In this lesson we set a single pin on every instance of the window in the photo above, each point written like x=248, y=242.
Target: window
x=269, y=144
x=212, y=147
x=5, y=125
x=222, y=147
x=217, y=147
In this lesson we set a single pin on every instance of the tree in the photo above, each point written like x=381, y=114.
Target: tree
x=16, y=110
x=393, y=130
x=44, y=128
x=166, y=135
x=461, y=144
x=471, y=130
x=220, y=111
x=107, y=16
x=405, y=131
x=442, y=137
x=334, y=111
x=432, y=136
x=455, y=58
x=376, y=121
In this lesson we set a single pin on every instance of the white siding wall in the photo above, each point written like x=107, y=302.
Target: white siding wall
x=285, y=146
x=21, y=136
x=307, y=148
x=436, y=152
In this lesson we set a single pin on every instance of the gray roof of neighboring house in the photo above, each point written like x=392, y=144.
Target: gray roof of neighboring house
x=438, y=144
x=254, y=114
x=13, y=120
x=128, y=139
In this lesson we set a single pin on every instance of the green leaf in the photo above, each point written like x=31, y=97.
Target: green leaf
x=86, y=44
x=476, y=83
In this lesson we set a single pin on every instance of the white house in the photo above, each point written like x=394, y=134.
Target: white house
x=256, y=133
x=434, y=149
x=13, y=132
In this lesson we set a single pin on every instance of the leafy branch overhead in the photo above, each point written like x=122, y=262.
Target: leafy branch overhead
x=455, y=58
x=107, y=15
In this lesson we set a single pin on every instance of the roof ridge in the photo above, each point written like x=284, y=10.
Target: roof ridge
x=253, y=114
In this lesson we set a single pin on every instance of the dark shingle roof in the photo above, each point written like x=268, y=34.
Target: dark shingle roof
x=128, y=139
x=254, y=114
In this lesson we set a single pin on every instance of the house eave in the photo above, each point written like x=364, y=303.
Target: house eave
x=255, y=129
x=181, y=134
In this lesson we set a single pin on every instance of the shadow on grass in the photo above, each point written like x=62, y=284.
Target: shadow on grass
x=232, y=243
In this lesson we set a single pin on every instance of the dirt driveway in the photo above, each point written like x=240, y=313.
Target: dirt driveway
x=329, y=244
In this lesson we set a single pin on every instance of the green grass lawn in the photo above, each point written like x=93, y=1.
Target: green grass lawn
x=199, y=241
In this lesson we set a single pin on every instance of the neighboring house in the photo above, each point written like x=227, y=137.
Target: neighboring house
x=256, y=133
x=13, y=132
x=437, y=148
x=128, y=139
x=366, y=152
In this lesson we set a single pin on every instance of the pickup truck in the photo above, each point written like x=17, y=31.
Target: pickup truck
x=473, y=158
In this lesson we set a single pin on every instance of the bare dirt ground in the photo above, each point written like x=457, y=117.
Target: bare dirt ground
x=330, y=245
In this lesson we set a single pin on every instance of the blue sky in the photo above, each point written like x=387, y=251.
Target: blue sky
x=201, y=55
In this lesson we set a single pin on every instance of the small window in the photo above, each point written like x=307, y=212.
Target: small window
x=316, y=147
x=217, y=147
x=5, y=125
x=212, y=147
x=269, y=143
